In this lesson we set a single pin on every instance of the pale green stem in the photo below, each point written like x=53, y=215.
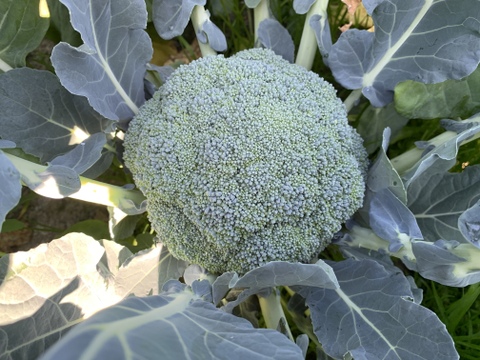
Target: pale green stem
x=366, y=238
x=405, y=161
x=199, y=16
x=308, y=43
x=4, y=66
x=91, y=190
x=260, y=13
x=352, y=99
x=272, y=312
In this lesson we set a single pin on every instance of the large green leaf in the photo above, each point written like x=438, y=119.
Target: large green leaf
x=449, y=99
x=423, y=40
x=42, y=117
x=371, y=316
x=439, y=199
x=173, y=325
x=21, y=31
x=109, y=67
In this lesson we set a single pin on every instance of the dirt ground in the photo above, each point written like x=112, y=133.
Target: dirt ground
x=42, y=214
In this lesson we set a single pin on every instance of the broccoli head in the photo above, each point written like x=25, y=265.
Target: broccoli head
x=246, y=160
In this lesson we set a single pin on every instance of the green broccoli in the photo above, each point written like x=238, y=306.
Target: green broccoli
x=246, y=160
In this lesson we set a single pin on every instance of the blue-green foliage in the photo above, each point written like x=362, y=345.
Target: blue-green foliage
x=246, y=160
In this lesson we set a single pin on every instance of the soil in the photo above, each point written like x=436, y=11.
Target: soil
x=42, y=215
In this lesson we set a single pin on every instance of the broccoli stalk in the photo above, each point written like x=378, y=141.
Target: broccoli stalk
x=405, y=161
x=198, y=17
x=352, y=99
x=273, y=314
x=367, y=239
x=308, y=43
x=260, y=13
x=91, y=190
x=4, y=66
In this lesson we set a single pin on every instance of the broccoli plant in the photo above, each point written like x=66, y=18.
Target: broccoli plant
x=251, y=156
x=288, y=214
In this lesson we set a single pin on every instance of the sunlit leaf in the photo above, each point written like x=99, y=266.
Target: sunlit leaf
x=21, y=28
x=172, y=325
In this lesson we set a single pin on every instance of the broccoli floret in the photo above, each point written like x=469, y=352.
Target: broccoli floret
x=246, y=160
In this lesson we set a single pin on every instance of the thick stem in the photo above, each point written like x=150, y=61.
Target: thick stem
x=91, y=190
x=260, y=13
x=199, y=16
x=4, y=66
x=367, y=239
x=273, y=314
x=352, y=99
x=308, y=43
x=405, y=161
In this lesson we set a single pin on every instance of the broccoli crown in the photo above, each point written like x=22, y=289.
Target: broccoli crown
x=246, y=160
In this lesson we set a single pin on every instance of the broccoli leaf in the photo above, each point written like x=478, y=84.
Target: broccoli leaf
x=274, y=273
x=439, y=199
x=302, y=6
x=252, y=3
x=382, y=174
x=43, y=118
x=447, y=262
x=274, y=36
x=171, y=17
x=195, y=272
x=84, y=155
x=281, y=273
x=22, y=30
x=372, y=316
x=100, y=166
x=469, y=224
x=56, y=182
x=443, y=156
x=370, y=5
x=449, y=99
x=7, y=144
x=202, y=289
x=428, y=41
x=52, y=287
x=145, y=272
x=110, y=66
x=391, y=219
x=211, y=34
x=11, y=188
x=321, y=28
x=161, y=72
x=175, y=325
x=385, y=260
x=302, y=342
